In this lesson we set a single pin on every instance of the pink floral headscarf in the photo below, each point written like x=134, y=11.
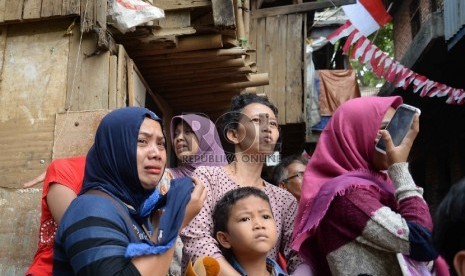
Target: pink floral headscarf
x=345, y=145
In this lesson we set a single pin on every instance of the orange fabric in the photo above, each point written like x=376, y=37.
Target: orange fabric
x=336, y=87
x=205, y=266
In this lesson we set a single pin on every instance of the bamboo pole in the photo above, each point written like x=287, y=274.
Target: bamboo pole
x=246, y=14
x=240, y=24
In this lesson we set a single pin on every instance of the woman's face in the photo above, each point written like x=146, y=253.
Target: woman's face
x=185, y=141
x=258, y=129
x=151, y=153
x=379, y=159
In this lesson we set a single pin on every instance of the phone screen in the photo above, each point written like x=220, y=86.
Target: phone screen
x=399, y=125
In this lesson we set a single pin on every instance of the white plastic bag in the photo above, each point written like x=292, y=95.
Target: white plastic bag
x=126, y=14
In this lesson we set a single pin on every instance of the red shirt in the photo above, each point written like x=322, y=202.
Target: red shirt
x=68, y=172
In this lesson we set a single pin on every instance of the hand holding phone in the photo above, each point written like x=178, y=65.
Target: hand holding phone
x=399, y=126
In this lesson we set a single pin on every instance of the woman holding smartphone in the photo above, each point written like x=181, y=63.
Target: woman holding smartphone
x=360, y=211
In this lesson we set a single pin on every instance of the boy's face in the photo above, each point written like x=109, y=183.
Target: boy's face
x=251, y=228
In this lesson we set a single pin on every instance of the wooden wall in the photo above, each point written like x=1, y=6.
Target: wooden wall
x=54, y=89
x=92, y=12
x=279, y=44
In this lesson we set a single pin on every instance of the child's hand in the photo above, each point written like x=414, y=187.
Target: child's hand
x=401, y=152
x=198, y=196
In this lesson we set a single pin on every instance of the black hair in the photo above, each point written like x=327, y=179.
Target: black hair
x=223, y=208
x=449, y=223
x=230, y=120
x=280, y=172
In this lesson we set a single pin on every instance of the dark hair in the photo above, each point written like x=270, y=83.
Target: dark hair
x=449, y=223
x=280, y=171
x=230, y=120
x=223, y=208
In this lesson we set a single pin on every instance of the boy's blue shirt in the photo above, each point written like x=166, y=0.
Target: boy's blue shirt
x=271, y=265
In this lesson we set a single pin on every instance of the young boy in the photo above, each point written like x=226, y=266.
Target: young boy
x=245, y=228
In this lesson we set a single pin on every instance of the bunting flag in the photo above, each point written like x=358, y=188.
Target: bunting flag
x=367, y=15
x=391, y=70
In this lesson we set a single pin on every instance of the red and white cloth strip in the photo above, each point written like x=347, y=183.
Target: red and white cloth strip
x=391, y=70
x=367, y=15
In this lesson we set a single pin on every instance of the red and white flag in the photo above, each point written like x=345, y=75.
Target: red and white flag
x=367, y=15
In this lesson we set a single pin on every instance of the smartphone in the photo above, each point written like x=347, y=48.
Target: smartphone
x=399, y=125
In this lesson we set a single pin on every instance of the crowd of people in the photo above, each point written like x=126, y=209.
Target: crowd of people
x=348, y=210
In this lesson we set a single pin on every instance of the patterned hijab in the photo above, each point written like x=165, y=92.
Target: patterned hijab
x=210, y=151
x=346, y=146
x=111, y=163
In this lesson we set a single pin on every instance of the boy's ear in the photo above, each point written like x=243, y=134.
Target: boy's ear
x=459, y=263
x=223, y=239
x=231, y=134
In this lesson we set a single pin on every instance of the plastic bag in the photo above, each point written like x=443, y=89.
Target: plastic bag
x=126, y=14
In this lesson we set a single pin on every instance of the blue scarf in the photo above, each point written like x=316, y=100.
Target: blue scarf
x=111, y=163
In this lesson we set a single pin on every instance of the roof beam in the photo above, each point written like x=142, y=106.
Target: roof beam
x=299, y=8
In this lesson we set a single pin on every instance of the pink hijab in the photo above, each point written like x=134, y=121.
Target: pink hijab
x=345, y=145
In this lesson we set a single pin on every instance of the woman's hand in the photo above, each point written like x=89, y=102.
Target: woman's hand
x=198, y=196
x=31, y=183
x=400, y=153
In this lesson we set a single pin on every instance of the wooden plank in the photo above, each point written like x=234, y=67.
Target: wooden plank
x=252, y=45
x=88, y=71
x=246, y=16
x=101, y=8
x=255, y=80
x=31, y=9
x=294, y=77
x=131, y=93
x=169, y=5
x=122, y=78
x=140, y=88
x=13, y=9
x=231, y=52
x=93, y=89
x=26, y=150
x=51, y=8
x=194, y=60
x=3, y=36
x=280, y=66
x=75, y=132
x=2, y=10
x=87, y=15
x=238, y=62
x=57, y=7
x=176, y=19
x=276, y=61
x=47, y=8
x=71, y=7
x=74, y=69
x=112, y=78
x=185, y=44
x=223, y=14
x=29, y=106
x=299, y=8
x=262, y=65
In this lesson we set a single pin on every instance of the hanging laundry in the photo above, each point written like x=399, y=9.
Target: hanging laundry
x=336, y=87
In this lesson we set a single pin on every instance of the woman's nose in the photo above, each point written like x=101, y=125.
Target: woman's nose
x=155, y=152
